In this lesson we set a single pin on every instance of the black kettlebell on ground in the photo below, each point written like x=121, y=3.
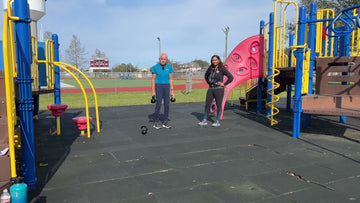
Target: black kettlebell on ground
x=172, y=99
x=153, y=99
x=144, y=130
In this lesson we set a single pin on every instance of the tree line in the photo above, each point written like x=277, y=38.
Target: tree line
x=76, y=54
x=336, y=5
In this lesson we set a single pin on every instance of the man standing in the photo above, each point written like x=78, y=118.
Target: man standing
x=162, y=87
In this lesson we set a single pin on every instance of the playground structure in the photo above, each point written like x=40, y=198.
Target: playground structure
x=332, y=45
x=330, y=50
x=321, y=42
x=30, y=68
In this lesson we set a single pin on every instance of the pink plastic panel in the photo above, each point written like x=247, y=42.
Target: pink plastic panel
x=245, y=62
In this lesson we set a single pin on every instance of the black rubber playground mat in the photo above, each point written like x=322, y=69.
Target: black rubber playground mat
x=243, y=160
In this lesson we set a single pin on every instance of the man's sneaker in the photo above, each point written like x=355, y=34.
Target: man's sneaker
x=216, y=124
x=203, y=123
x=166, y=125
x=157, y=125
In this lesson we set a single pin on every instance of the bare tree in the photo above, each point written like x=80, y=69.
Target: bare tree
x=47, y=35
x=99, y=54
x=75, y=54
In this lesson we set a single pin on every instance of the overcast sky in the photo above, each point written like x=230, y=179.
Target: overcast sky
x=127, y=30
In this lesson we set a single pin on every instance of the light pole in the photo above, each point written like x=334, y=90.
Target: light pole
x=158, y=38
x=226, y=31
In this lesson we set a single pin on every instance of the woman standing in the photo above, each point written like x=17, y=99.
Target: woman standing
x=214, y=76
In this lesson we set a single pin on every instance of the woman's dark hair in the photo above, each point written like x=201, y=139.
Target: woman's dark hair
x=211, y=67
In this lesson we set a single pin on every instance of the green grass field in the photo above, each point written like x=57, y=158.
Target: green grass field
x=125, y=98
x=105, y=83
x=128, y=98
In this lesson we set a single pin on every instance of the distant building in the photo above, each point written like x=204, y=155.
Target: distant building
x=192, y=67
x=99, y=64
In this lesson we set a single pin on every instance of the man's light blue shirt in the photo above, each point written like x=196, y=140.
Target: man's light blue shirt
x=162, y=76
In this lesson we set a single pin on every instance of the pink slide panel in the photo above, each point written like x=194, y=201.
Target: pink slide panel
x=245, y=62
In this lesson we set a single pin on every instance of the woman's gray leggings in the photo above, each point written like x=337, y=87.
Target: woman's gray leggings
x=217, y=94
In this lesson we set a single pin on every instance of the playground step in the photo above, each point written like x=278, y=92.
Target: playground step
x=42, y=91
x=337, y=105
x=286, y=76
x=252, y=93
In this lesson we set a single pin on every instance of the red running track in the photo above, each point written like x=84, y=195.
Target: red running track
x=200, y=85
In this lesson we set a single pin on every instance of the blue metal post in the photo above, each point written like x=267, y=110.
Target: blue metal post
x=25, y=103
x=289, y=87
x=312, y=45
x=330, y=48
x=336, y=44
x=299, y=72
x=341, y=44
x=1, y=57
x=346, y=40
x=270, y=59
x=346, y=52
x=323, y=46
x=57, y=95
x=260, y=80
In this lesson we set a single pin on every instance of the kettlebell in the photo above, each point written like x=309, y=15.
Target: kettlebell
x=172, y=99
x=144, y=130
x=153, y=99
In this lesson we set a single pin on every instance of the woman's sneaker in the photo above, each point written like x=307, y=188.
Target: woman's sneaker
x=203, y=123
x=216, y=124
x=157, y=125
x=166, y=125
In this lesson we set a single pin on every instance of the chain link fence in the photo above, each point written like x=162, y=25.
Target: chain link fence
x=136, y=75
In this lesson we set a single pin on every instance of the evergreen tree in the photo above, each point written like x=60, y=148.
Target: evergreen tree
x=125, y=68
x=201, y=63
